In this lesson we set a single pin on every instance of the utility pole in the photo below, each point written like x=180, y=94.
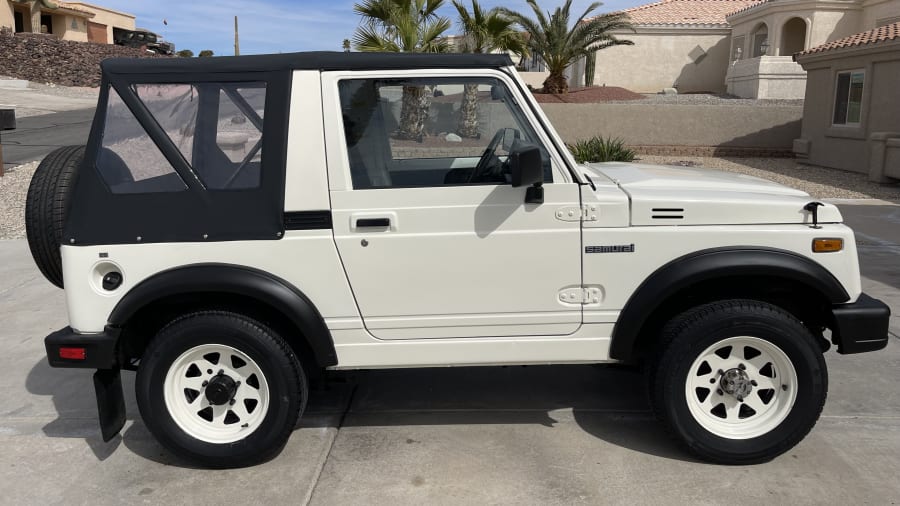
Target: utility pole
x=237, y=45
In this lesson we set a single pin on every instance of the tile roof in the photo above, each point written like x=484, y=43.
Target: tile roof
x=687, y=12
x=878, y=35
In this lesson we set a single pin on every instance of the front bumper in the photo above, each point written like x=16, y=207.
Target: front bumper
x=99, y=349
x=861, y=326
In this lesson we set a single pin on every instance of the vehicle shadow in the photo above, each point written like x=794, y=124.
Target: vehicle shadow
x=607, y=402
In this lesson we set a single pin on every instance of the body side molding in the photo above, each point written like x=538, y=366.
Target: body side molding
x=711, y=264
x=236, y=280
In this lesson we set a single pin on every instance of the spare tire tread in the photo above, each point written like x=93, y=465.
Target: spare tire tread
x=46, y=205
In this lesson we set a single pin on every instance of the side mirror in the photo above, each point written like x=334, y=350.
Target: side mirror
x=527, y=168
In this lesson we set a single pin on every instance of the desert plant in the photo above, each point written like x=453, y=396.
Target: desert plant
x=560, y=43
x=484, y=31
x=409, y=26
x=185, y=53
x=206, y=53
x=601, y=149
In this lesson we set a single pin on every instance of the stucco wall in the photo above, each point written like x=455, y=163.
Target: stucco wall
x=660, y=60
x=679, y=125
x=766, y=77
x=875, y=11
x=69, y=28
x=6, y=15
x=847, y=147
x=824, y=23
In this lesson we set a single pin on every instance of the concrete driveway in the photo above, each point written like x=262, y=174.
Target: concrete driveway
x=526, y=435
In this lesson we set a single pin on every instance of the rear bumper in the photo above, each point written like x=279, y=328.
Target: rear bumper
x=861, y=326
x=99, y=349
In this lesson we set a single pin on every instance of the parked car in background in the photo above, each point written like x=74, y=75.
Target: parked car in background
x=142, y=38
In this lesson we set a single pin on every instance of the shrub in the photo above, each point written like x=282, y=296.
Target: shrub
x=601, y=149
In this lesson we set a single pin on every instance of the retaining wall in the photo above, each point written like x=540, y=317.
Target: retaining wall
x=722, y=129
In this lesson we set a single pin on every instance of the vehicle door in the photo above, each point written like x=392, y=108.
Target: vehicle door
x=435, y=240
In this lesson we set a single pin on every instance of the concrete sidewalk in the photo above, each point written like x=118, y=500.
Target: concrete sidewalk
x=34, y=102
x=526, y=435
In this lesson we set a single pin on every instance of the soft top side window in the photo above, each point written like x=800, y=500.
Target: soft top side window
x=432, y=131
x=217, y=127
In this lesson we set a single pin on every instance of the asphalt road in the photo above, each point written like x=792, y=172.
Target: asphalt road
x=35, y=136
x=491, y=435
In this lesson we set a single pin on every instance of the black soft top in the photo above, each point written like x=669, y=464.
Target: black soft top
x=318, y=60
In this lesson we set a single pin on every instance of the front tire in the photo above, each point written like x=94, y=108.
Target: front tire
x=220, y=389
x=739, y=381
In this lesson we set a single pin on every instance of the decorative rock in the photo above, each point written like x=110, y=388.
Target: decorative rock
x=46, y=59
x=669, y=91
x=453, y=138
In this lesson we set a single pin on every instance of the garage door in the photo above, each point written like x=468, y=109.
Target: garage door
x=97, y=33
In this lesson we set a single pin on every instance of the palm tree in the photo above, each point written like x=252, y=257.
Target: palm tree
x=560, y=46
x=484, y=32
x=409, y=26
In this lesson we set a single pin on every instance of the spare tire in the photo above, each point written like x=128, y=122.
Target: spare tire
x=46, y=206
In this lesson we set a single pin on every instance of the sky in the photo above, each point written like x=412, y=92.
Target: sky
x=280, y=25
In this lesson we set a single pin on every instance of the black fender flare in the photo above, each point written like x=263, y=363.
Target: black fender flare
x=237, y=280
x=711, y=264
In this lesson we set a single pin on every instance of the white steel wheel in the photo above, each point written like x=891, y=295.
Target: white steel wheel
x=216, y=393
x=741, y=387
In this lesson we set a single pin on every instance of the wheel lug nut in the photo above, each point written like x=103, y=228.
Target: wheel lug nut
x=205, y=383
x=742, y=367
x=754, y=383
x=719, y=391
x=231, y=402
x=712, y=381
x=209, y=371
x=740, y=399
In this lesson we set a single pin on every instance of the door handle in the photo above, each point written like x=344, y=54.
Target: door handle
x=373, y=222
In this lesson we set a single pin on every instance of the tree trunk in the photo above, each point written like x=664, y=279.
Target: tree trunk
x=556, y=84
x=590, y=67
x=414, y=112
x=468, y=112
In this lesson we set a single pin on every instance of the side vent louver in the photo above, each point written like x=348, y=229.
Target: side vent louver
x=307, y=220
x=668, y=213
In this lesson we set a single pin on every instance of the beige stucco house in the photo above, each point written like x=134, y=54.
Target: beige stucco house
x=78, y=21
x=744, y=47
x=681, y=44
x=851, y=116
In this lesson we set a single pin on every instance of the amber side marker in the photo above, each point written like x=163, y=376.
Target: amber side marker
x=827, y=245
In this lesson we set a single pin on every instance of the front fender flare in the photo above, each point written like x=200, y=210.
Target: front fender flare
x=236, y=280
x=711, y=264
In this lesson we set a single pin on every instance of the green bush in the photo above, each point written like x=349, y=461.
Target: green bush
x=601, y=149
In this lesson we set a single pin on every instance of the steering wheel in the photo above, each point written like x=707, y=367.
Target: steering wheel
x=484, y=163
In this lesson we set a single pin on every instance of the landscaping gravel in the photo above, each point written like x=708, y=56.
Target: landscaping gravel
x=13, y=188
x=708, y=99
x=820, y=182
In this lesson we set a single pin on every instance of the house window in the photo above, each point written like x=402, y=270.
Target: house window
x=761, y=41
x=737, y=48
x=848, y=97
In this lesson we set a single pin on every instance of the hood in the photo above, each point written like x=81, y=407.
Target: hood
x=663, y=195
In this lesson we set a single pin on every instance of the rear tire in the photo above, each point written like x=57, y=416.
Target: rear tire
x=220, y=389
x=738, y=381
x=46, y=206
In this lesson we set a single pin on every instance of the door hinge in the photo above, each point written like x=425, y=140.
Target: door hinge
x=577, y=213
x=580, y=295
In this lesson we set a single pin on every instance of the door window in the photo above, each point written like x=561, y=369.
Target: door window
x=432, y=132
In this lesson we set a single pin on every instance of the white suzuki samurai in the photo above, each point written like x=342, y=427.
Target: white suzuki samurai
x=236, y=224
